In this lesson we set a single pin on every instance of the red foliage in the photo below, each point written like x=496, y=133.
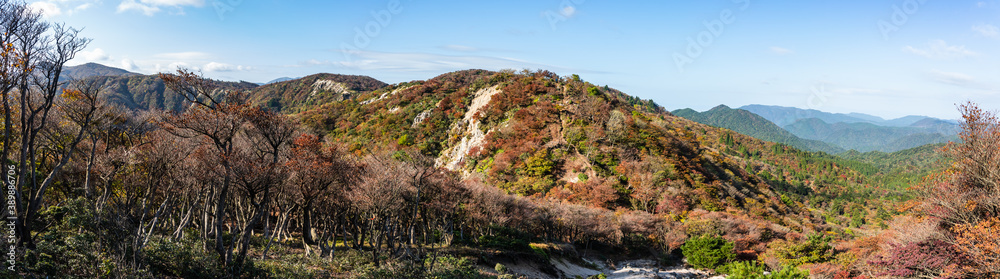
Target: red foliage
x=921, y=259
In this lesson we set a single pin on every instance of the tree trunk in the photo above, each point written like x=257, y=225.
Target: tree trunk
x=307, y=229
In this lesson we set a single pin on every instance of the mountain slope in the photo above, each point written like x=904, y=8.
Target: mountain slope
x=905, y=167
x=753, y=125
x=93, y=70
x=783, y=116
x=147, y=92
x=297, y=94
x=545, y=136
x=278, y=80
x=866, y=137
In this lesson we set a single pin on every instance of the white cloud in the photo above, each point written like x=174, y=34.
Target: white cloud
x=128, y=5
x=188, y=55
x=939, y=49
x=223, y=67
x=987, y=30
x=953, y=78
x=129, y=65
x=78, y=8
x=781, y=50
x=51, y=8
x=433, y=63
x=151, y=7
x=196, y=3
x=95, y=55
x=179, y=65
x=48, y=9
x=314, y=62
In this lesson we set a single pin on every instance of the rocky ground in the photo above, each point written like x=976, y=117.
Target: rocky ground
x=634, y=269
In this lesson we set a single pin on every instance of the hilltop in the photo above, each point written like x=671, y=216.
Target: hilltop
x=94, y=70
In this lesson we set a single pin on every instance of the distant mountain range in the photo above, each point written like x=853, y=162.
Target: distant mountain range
x=784, y=116
x=815, y=130
x=748, y=123
x=278, y=80
x=93, y=70
x=866, y=137
x=137, y=91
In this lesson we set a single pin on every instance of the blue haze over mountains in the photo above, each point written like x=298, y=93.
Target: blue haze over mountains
x=842, y=132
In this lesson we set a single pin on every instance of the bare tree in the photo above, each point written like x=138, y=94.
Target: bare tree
x=217, y=121
x=37, y=98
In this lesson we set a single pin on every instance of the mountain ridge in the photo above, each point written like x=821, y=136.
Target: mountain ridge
x=92, y=69
x=783, y=116
x=748, y=123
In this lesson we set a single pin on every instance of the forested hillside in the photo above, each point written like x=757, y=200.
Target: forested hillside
x=748, y=123
x=294, y=95
x=94, y=70
x=866, y=137
x=147, y=92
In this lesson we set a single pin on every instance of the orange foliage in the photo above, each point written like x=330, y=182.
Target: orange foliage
x=981, y=242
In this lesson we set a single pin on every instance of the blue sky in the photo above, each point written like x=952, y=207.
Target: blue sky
x=881, y=57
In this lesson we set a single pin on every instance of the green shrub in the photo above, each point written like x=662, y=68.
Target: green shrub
x=789, y=272
x=708, y=252
x=445, y=267
x=404, y=140
x=816, y=249
x=183, y=258
x=500, y=268
x=744, y=270
x=449, y=267
x=755, y=270
x=74, y=245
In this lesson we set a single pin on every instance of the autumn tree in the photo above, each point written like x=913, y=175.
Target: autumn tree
x=966, y=198
x=43, y=57
x=317, y=172
x=216, y=117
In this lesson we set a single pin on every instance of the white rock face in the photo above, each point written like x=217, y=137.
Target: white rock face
x=420, y=118
x=472, y=136
x=328, y=85
x=387, y=94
